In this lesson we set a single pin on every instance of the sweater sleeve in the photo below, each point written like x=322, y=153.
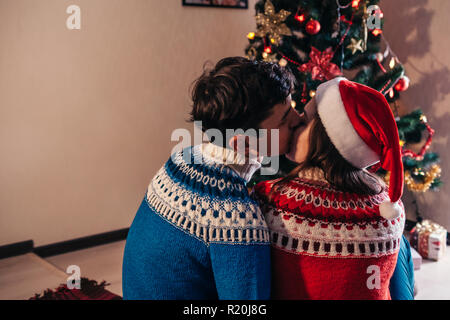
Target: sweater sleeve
x=241, y=271
x=401, y=286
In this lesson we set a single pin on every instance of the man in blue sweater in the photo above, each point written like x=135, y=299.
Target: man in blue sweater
x=197, y=233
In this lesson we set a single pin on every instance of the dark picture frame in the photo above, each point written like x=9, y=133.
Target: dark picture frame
x=240, y=4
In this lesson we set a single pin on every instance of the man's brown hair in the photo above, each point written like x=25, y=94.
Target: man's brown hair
x=239, y=93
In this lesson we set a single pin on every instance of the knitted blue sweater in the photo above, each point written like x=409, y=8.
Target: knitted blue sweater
x=197, y=233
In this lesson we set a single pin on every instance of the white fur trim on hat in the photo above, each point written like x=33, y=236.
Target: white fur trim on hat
x=390, y=210
x=339, y=128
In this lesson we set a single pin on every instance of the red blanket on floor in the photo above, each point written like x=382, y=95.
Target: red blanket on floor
x=89, y=290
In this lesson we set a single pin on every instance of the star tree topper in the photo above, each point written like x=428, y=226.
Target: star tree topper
x=272, y=24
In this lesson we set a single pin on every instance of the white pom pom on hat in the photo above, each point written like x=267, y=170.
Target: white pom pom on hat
x=390, y=210
x=362, y=127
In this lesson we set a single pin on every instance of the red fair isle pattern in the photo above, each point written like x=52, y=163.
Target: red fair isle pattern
x=307, y=216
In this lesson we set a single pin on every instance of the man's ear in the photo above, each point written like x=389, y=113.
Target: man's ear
x=244, y=144
x=236, y=142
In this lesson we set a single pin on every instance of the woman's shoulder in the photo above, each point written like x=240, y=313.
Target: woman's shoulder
x=263, y=188
x=313, y=197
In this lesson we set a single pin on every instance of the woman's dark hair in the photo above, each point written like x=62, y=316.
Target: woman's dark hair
x=342, y=175
x=239, y=93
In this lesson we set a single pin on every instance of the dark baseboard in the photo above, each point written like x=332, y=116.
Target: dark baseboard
x=15, y=249
x=81, y=243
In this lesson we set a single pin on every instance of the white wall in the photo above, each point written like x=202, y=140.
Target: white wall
x=86, y=115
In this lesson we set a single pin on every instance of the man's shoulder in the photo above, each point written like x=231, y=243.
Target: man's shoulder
x=188, y=169
x=209, y=202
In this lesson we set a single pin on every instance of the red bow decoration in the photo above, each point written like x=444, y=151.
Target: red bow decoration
x=320, y=66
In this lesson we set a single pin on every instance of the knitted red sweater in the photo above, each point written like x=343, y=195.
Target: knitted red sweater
x=328, y=244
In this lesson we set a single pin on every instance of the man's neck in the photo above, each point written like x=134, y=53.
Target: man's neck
x=244, y=166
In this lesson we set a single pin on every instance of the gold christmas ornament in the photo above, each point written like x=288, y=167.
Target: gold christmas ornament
x=402, y=143
x=251, y=53
x=423, y=118
x=355, y=45
x=272, y=24
x=251, y=35
x=312, y=93
x=269, y=57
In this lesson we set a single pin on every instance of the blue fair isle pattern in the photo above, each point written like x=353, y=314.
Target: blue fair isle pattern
x=206, y=200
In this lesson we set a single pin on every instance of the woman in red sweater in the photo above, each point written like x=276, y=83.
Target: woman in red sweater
x=335, y=227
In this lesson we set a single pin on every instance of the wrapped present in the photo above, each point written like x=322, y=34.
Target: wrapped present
x=416, y=258
x=429, y=239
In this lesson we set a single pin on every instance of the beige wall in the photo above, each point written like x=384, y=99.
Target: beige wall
x=86, y=115
x=418, y=31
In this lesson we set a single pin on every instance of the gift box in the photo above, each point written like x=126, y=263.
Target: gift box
x=416, y=258
x=429, y=239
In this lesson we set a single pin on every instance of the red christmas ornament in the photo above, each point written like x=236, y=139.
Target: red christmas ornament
x=313, y=27
x=402, y=84
x=320, y=66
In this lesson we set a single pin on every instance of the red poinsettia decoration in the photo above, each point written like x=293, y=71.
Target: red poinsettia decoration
x=320, y=66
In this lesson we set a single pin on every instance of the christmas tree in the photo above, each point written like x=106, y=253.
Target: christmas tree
x=319, y=40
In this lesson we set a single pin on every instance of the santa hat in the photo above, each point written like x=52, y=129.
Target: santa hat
x=361, y=126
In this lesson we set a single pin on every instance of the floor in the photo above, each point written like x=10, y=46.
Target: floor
x=23, y=276
x=29, y=274
x=433, y=279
